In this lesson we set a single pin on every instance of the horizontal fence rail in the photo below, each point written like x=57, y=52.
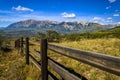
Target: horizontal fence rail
x=35, y=62
x=60, y=69
x=104, y=62
x=36, y=53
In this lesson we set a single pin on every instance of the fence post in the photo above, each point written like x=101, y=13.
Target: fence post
x=27, y=51
x=44, y=61
x=18, y=44
x=21, y=45
x=15, y=43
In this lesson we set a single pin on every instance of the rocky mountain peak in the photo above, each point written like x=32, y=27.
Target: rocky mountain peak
x=58, y=26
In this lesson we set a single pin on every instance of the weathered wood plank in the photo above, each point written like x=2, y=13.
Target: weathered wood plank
x=65, y=74
x=21, y=46
x=104, y=62
x=38, y=65
x=51, y=76
x=44, y=61
x=35, y=62
x=17, y=44
x=27, y=51
x=36, y=53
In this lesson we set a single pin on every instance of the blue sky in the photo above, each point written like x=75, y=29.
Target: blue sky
x=99, y=11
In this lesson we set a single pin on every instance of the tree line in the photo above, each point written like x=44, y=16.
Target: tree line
x=54, y=36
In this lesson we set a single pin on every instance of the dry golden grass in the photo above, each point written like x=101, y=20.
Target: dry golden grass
x=102, y=46
x=109, y=46
x=13, y=67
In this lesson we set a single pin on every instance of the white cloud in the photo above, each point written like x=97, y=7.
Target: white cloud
x=118, y=22
x=109, y=20
x=98, y=19
x=20, y=8
x=116, y=15
x=68, y=15
x=111, y=1
x=108, y=7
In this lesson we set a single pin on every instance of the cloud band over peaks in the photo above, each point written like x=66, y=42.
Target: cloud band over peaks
x=21, y=8
x=68, y=15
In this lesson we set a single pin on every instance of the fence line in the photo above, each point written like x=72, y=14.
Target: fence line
x=104, y=62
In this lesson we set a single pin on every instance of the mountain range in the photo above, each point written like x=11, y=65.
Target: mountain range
x=28, y=28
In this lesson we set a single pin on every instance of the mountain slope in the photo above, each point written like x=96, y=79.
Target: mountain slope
x=33, y=26
x=62, y=27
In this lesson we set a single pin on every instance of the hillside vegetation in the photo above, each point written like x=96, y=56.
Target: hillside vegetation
x=33, y=26
x=54, y=36
x=111, y=33
x=109, y=46
x=13, y=67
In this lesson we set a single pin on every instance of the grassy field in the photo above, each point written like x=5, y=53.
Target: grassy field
x=103, y=46
x=13, y=67
x=12, y=64
x=109, y=46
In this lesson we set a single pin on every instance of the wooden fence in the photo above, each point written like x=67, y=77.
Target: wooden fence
x=104, y=62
